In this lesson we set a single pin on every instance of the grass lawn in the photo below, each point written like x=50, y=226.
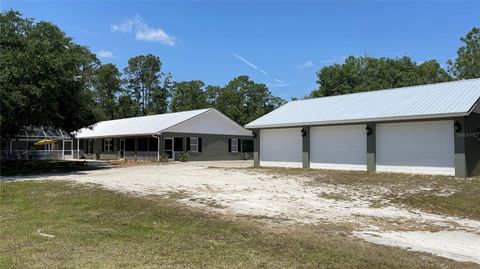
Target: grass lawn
x=36, y=167
x=98, y=228
x=435, y=194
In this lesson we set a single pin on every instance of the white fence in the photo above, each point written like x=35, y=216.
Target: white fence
x=32, y=154
x=141, y=156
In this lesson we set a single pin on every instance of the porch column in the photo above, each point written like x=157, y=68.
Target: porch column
x=460, y=159
x=136, y=148
x=158, y=148
x=371, y=148
x=161, y=148
x=256, y=148
x=306, y=147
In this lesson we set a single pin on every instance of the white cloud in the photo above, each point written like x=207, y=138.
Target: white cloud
x=306, y=64
x=279, y=81
x=105, y=54
x=143, y=31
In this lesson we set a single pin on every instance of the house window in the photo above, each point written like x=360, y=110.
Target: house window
x=234, y=145
x=107, y=145
x=194, y=144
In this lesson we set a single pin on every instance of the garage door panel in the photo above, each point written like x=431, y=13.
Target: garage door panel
x=417, y=147
x=338, y=147
x=281, y=147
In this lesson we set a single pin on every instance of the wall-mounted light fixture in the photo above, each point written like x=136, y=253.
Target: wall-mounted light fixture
x=369, y=130
x=254, y=135
x=304, y=133
x=457, y=126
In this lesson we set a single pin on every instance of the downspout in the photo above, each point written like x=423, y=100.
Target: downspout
x=158, y=146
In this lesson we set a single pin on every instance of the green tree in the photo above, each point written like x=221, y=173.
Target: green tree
x=467, y=64
x=243, y=100
x=107, y=86
x=159, y=96
x=143, y=78
x=44, y=77
x=359, y=74
x=188, y=95
x=127, y=107
x=212, y=93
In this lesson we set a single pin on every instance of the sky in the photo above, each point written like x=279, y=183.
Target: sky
x=280, y=43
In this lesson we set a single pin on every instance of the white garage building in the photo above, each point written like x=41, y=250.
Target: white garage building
x=427, y=129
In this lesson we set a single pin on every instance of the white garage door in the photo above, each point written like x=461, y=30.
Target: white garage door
x=338, y=147
x=416, y=147
x=281, y=147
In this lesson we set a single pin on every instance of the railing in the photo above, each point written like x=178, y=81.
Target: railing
x=141, y=156
x=77, y=154
x=30, y=154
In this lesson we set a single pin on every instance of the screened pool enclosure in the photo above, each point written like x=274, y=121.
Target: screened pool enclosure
x=34, y=143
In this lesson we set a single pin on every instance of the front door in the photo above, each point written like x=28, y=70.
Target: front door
x=168, y=148
x=122, y=148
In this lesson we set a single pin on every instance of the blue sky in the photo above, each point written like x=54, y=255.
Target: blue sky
x=282, y=44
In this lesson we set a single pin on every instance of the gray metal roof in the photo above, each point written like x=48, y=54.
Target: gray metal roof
x=145, y=125
x=209, y=121
x=448, y=99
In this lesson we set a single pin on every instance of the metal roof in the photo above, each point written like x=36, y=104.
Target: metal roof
x=146, y=125
x=447, y=99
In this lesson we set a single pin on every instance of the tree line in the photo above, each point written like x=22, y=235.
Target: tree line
x=365, y=73
x=47, y=79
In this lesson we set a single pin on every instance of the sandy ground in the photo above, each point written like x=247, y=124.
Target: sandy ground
x=217, y=187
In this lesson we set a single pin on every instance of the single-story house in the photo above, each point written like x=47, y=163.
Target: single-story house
x=206, y=134
x=428, y=129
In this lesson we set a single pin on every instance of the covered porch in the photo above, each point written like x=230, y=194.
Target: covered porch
x=143, y=148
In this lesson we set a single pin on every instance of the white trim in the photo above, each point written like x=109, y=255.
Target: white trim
x=194, y=144
x=172, y=149
x=281, y=164
x=445, y=171
x=236, y=145
x=336, y=166
x=107, y=145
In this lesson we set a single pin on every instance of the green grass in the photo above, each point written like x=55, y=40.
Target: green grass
x=405, y=189
x=335, y=196
x=97, y=228
x=38, y=167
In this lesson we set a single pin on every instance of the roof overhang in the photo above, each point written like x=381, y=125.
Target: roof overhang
x=352, y=121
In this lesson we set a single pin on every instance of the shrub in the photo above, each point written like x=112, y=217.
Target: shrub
x=183, y=157
x=163, y=157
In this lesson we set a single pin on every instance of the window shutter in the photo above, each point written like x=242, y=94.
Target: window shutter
x=229, y=145
x=188, y=143
x=103, y=145
x=239, y=145
x=199, y=144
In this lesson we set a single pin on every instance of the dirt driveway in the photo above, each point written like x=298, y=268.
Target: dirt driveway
x=228, y=188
